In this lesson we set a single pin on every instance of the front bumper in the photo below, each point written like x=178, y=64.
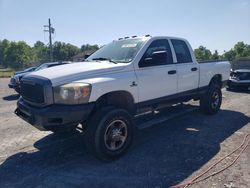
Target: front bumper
x=231, y=84
x=52, y=116
x=12, y=85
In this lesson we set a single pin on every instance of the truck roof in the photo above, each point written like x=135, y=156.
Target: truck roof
x=153, y=37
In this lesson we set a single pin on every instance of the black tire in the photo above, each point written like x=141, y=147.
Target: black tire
x=210, y=103
x=100, y=137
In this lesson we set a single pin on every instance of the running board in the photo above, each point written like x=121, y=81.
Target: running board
x=151, y=119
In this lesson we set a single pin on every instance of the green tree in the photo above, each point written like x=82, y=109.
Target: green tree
x=242, y=50
x=19, y=55
x=202, y=53
x=88, y=47
x=72, y=50
x=64, y=52
x=239, y=50
x=229, y=55
x=215, y=55
x=41, y=51
x=4, y=45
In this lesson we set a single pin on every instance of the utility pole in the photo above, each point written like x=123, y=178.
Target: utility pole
x=51, y=30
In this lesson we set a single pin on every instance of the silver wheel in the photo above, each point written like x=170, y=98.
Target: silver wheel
x=115, y=135
x=215, y=100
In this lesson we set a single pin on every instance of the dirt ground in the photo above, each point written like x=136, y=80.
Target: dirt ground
x=162, y=155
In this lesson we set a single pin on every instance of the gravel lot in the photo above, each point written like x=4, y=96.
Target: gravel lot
x=161, y=156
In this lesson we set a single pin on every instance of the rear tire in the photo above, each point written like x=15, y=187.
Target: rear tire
x=109, y=133
x=210, y=103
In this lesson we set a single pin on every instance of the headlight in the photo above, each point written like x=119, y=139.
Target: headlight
x=73, y=93
x=17, y=79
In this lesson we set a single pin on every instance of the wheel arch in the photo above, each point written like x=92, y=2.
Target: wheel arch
x=216, y=80
x=120, y=98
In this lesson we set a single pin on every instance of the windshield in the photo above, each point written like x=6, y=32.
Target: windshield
x=30, y=69
x=122, y=51
x=42, y=66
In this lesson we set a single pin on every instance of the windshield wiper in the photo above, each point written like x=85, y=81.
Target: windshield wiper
x=104, y=59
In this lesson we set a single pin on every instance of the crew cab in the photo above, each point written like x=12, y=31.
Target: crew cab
x=114, y=84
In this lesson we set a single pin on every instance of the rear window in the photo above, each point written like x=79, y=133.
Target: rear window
x=182, y=51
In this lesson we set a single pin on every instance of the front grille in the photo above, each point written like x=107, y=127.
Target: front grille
x=240, y=75
x=33, y=92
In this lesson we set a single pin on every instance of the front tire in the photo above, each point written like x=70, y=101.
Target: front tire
x=210, y=103
x=109, y=133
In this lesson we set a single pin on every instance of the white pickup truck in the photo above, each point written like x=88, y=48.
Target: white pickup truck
x=105, y=92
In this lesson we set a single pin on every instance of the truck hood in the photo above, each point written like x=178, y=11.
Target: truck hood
x=76, y=71
x=20, y=75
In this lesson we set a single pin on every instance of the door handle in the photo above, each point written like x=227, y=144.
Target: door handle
x=194, y=69
x=172, y=72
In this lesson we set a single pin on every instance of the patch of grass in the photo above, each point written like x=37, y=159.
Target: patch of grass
x=5, y=69
x=5, y=73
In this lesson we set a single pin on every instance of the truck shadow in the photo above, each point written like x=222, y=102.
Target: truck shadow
x=11, y=97
x=161, y=156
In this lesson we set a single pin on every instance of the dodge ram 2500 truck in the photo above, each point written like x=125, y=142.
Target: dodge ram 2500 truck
x=105, y=92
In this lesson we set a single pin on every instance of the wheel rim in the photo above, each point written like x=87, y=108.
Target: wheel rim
x=215, y=100
x=115, y=135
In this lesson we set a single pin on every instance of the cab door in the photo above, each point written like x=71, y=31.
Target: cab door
x=188, y=70
x=156, y=72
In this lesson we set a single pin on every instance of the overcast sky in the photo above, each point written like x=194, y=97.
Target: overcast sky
x=216, y=24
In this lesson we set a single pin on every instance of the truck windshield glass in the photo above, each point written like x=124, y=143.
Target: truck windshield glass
x=42, y=66
x=121, y=51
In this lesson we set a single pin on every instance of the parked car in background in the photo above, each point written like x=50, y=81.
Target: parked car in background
x=30, y=69
x=15, y=80
x=239, y=79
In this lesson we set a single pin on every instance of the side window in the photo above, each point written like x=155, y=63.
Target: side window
x=182, y=51
x=158, y=53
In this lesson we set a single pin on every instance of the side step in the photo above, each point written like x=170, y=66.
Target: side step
x=156, y=117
